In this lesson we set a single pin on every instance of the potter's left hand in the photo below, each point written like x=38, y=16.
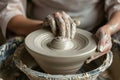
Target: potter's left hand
x=62, y=25
x=104, y=36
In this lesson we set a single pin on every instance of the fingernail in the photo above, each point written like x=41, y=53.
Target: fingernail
x=63, y=12
x=101, y=49
x=57, y=14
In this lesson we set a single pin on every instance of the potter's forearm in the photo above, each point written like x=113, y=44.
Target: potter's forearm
x=114, y=23
x=21, y=25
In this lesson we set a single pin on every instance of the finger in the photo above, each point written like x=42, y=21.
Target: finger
x=73, y=28
x=107, y=48
x=67, y=24
x=101, y=36
x=108, y=45
x=61, y=24
x=73, y=25
x=77, y=21
x=105, y=43
x=52, y=23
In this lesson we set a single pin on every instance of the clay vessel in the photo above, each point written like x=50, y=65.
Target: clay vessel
x=60, y=56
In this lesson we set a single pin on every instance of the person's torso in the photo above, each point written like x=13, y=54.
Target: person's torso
x=90, y=12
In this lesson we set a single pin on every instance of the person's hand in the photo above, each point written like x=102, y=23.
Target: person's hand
x=62, y=25
x=104, y=36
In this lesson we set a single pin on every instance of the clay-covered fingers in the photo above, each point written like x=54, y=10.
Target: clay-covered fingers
x=52, y=23
x=105, y=42
x=60, y=24
x=67, y=24
x=70, y=26
x=73, y=28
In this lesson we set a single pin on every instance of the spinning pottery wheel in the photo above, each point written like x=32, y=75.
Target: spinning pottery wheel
x=59, y=55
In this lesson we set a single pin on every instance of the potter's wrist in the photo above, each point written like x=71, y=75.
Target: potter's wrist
x=112, y=28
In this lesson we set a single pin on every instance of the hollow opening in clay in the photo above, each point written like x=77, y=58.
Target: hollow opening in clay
x=61, y=44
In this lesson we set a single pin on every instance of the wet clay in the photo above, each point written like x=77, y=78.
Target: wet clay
x=56, y=55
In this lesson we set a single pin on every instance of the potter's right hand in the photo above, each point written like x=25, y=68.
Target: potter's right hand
x=62, y=25
x=104, y=36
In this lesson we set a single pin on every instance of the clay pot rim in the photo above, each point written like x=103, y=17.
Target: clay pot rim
x=89, y=47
